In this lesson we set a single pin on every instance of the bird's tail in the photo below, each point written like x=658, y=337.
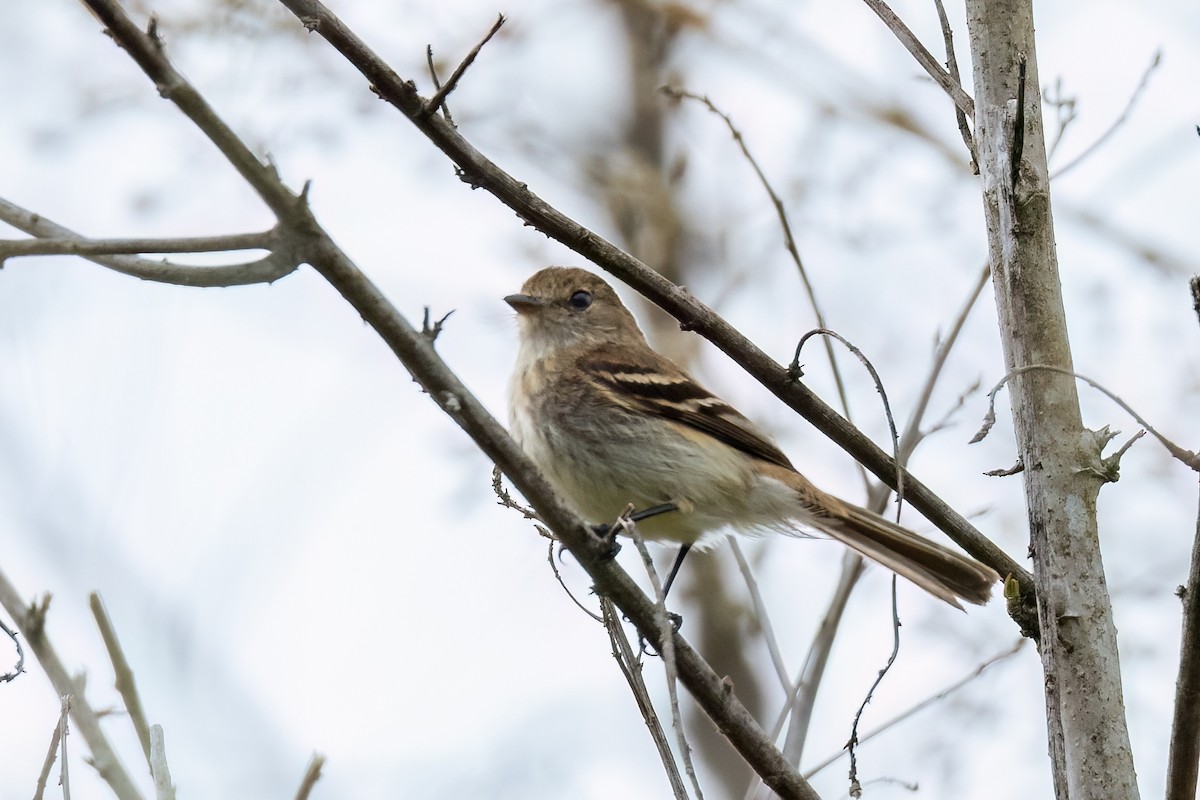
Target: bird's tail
x=938, y=570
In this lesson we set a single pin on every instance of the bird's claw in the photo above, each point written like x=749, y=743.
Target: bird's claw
x=607, y=535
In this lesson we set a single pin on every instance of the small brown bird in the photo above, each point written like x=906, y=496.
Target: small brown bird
x=611, y=422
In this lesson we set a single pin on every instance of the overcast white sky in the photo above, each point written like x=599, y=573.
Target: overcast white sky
x=300, y=552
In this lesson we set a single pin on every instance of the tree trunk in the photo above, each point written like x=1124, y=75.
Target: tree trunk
x=1085, y=710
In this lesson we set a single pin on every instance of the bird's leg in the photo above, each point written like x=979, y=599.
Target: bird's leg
x=683, y=551
x=608, y=533
x=653, y=511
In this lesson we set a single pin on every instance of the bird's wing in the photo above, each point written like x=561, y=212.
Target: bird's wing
x=653, y=384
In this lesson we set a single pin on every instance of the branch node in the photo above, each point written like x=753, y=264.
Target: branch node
x=434, y=103
x=1004, y=473
x=432, y=330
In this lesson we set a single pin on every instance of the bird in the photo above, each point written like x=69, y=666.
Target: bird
x=614, y=425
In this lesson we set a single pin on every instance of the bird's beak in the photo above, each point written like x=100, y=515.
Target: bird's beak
x=523, y=303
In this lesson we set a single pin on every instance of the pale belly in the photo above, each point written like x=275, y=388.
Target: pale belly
x=602, y=474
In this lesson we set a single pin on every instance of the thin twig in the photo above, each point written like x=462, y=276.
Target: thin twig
x=312, y=774
x=912, y=431
x=1118, y=122
x=439, y=97
x=505, y=498
x=1194, y=285
x=631, y=668
x=60, y=725
x=802, y=694
x=14, y=248
x=163, y=788
x=952, y=87
x=1066, y=111
x=30, y=620
x=64, y=764
x=20, y=665
x=558, y=577
x=933, y=699
x=798, y=708
x=125, y=683
x=441, y=384
x=789, y=239
x=1183, y=761
x=964, y=127
x=852, y=745
x=270, y=268
x=432, y=330
x=669, y=662
x=761, y=615
x=797, y=371
x=437, y=83
x=1188, y=457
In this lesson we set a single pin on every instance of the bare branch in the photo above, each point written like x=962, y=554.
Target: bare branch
x=1188, y=457
x=1194, y=284
x=427, y=368
x=437, y=84
x=477, y=170
x=964, y=126
x=852, y=745
x=265, y=270
x=125, y=683
x=761, y=615
x=558, y=575
x=312, y=774
x=64, y=764
x=20, y=665
x=146, y=49
x=1117, y=123
x=30, y=620
x=60, y=726
x=668, y=656
x=1087, y=729
x=952, y=87
x=163, y=788
x=432, y=330
x=795, y=369
x=933, y=699
x=12, y=248
x=504, y=498
x=912, y=431
x=789, y=239
x=1005, y=472
x=631, y=668
x=803, y=696
x=1183, y=762
x=439, y=98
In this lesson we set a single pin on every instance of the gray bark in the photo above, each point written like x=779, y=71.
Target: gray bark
x=1085, y=711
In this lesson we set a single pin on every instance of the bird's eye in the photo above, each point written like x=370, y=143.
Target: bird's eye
x=580, y=300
